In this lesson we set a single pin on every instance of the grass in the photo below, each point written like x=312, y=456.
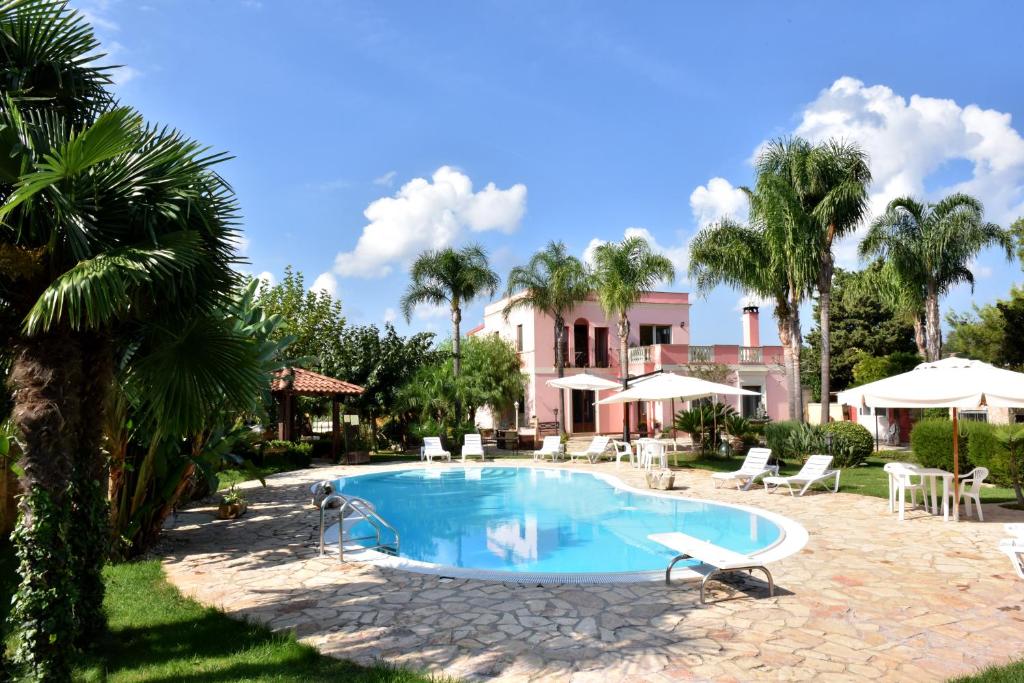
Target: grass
x=1010, y=673
x=867, y=480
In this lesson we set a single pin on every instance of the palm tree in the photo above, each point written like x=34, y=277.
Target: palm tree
x=452, y=277
x=109, y=231
x=753, y=260
x=553, y=282
x=828, y=183
x=623, y=272
x=928, y=248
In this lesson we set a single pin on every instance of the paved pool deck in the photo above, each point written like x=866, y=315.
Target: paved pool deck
x=867, y=598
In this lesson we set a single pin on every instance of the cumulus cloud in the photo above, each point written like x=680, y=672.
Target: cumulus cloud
x=429, y=214
x=911, y=141
x=266, y=279
x=679, y=255
x=326, y=283
x=749, y=299
x=718, y=199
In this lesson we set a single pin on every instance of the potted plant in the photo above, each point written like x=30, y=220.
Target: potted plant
x=232, y=504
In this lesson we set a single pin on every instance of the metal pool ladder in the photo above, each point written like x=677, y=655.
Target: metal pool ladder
x=357, y=509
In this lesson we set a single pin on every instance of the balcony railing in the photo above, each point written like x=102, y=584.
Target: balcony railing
x=751, y=355
x=640, y=354
x=701, y=354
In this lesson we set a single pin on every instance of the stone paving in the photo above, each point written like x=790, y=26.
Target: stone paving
x=867, y=598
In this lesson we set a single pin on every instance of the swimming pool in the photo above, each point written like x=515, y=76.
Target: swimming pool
x=539, y=521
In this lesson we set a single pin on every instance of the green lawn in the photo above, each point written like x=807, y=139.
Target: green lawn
x=1011, y=673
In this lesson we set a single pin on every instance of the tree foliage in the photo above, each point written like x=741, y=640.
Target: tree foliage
x=990, y=333
x=873, y=368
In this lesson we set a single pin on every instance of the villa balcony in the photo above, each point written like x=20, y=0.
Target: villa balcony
x=656, y=356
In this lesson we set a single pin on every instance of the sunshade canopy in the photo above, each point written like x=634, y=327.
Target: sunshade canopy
x=946, y=383
x=669, y=385
x=583, y=382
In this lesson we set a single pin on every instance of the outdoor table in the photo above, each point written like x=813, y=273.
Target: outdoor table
x=932, y=473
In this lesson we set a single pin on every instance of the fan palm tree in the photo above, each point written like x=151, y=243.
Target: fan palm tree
x=113, y=236
x=754, y=260
x=828, y=183
x=452, y=277
x=623, y=272
x=553, y=282
x=929, y=247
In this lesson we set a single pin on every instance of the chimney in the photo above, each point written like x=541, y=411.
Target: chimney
x=751, y=327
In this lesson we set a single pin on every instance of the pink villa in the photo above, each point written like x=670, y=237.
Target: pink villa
x=659, y=340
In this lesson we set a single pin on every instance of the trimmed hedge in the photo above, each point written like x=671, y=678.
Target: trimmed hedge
x=931, y=440
x=294, y=455
x=852, y=443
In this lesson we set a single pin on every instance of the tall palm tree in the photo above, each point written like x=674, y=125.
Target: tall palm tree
x=623, y=272
x=452, y=277
x=928, y=248
x=751, y=259
x=829, y=182
x=109, y=230
x=553, y=282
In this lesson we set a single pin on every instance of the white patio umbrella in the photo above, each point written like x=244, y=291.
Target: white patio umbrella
x=956, y=383
x=585, y=382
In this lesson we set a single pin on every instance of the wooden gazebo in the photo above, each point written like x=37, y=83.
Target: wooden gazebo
x=291, y=382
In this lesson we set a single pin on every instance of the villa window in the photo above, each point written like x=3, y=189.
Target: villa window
x=655, y=334
x=519, y=338
x=750, y=404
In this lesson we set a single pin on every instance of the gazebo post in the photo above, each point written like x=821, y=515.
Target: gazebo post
x=334, y=428
x=956, y=467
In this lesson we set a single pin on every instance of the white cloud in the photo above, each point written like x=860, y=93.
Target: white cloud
x=326, y=283
x=431, y=311
x=428, y=214
x=267, y=279
x=386, y=180
x=241, y=243
x=390, y=315
x=718, y=199
x=679, y=255
x=910, y=140
x=754, y=300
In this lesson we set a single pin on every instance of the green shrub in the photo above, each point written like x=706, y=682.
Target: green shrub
x=777, y=437
x=287, y=454
x=852, y=443
x=932, y=443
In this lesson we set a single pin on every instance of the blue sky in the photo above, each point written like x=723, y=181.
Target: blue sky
x=513, y=123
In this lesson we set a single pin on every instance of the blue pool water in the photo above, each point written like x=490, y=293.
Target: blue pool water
x=538, y=520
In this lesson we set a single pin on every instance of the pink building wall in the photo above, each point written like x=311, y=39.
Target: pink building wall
x=671, y=309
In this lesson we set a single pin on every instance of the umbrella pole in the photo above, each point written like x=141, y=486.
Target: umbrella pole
x=956, y=467
x=675, y=446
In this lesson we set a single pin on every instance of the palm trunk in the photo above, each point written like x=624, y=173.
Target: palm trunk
x=456, y=353
x=89, y=534
x=825, y=311
x=785, y=332
x=45, y=376
x=920, y=337
x=560, y=365
x=796, y=341
x=934, y=331
x=624, y=369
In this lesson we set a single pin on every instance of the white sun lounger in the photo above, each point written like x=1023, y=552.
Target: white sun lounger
x=1014, y=547
x=754, y=466
x=473, y=445
x=814, y=470
x=598, y=445
x=720, y=560
x=550, y=447
x=432, y=448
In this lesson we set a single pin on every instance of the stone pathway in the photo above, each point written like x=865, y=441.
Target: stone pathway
x=867, y=598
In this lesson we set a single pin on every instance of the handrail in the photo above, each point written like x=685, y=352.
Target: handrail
x=363, y=509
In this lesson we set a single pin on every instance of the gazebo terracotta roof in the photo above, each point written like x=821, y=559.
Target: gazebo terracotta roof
x=309, y=383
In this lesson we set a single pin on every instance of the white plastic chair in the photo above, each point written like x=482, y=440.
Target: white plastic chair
x=623, y=449
x=598, y=445
x=754, y=466
x=550, y=447
x=814, y=470
x=900, y=481
x=472, y=445
x=970, y=491
x=651, y=450
x=432, y=448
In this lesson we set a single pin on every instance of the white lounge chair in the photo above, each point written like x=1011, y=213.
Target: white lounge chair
x=720, y=560
x=814, y=470
x=432, y=448
x=1014, y=549
x=473, y=445
x=598, y=445
x=754, y=466
x=970, y=491
x=550, y=447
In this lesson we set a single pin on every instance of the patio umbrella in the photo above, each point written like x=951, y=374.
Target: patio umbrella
x=955, y=383
x=585, y=382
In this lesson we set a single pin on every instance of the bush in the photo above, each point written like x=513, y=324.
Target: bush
x=852, y=443
x=932, y=443
x=287, y=454
x=777, y=437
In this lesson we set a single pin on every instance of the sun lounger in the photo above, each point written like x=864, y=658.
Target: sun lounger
x=550, y=447
x=814, y=470
x=720, y=560
x=473, y=445
x=754, y=466
x=1014, y=549
x=432, y=448
x=598, y=445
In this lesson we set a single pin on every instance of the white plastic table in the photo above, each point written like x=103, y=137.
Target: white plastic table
x=932, y=474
